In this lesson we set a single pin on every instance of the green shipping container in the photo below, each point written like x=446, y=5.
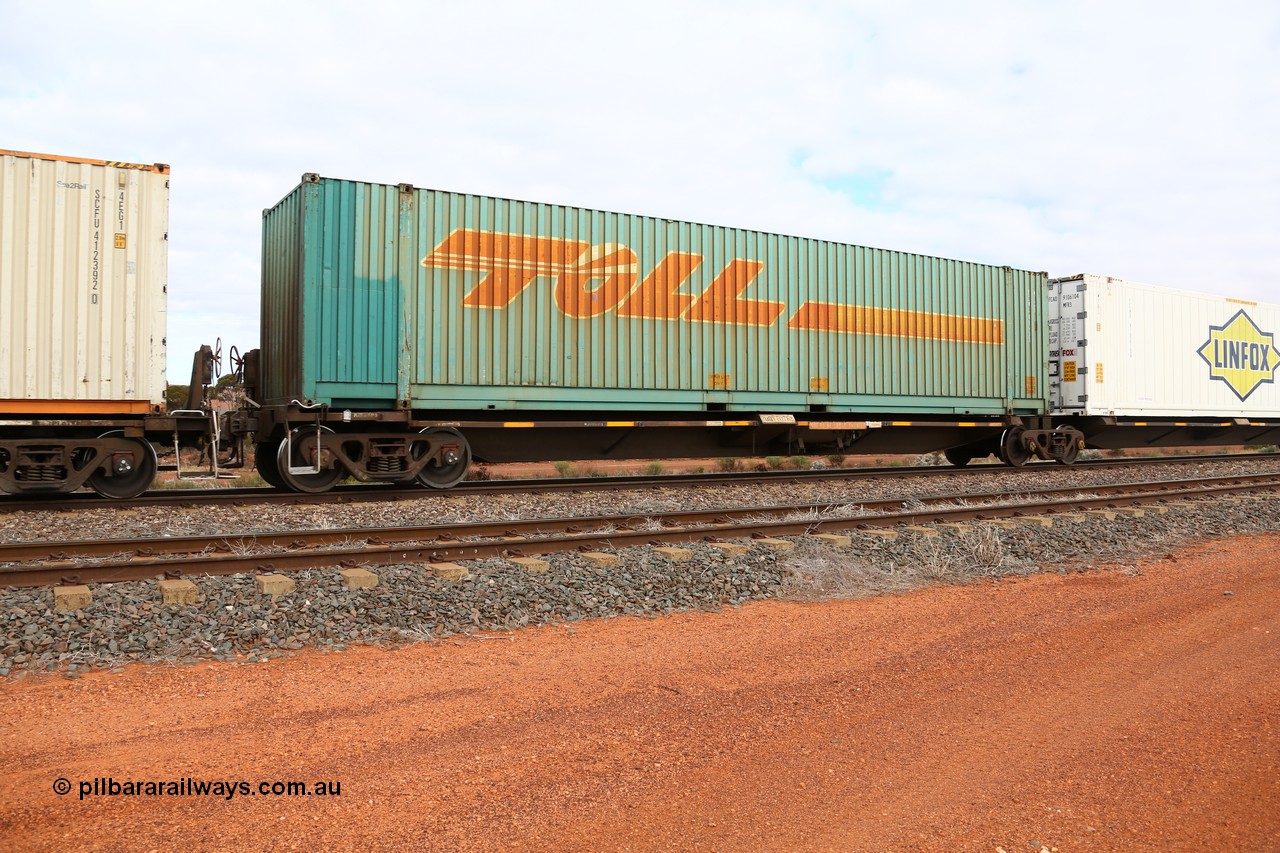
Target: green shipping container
x=378, y=296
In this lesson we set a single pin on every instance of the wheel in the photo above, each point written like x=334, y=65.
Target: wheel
x=455, y=453
x=330, y=471
x=1070, y=453
x=958, y=456
x=264, y=455
x=128, y=478
x=1012, y=451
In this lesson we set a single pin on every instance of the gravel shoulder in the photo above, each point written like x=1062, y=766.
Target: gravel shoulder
x=1134, y=708
x=126, y=622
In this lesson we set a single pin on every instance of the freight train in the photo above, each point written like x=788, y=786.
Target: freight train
x=407, y=332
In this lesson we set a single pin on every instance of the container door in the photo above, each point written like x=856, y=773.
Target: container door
x=1055, y=351
x=1073, y=369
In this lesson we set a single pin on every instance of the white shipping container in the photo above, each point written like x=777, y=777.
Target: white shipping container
x=83, y=274
x=1136, y=350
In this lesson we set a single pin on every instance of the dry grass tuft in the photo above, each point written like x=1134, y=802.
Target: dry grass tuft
x=815, y=573
x=978, y=554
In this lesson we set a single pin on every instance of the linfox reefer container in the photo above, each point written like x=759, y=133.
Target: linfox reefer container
x=83, y=268
x=1129, y=350
x=377, y=296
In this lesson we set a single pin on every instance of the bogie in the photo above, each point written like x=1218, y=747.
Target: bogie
x=311, y=459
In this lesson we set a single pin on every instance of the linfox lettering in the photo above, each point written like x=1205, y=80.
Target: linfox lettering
x=591, y=280
x=1241, y=355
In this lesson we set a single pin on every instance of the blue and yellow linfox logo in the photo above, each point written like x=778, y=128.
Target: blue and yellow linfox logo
x=1240, y=354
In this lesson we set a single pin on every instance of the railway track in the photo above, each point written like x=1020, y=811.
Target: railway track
x=35, y=564
x=359, y=493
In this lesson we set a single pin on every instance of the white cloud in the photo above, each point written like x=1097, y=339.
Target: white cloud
x=1131, y=139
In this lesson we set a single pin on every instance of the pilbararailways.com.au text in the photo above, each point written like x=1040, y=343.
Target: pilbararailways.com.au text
x=227, y=789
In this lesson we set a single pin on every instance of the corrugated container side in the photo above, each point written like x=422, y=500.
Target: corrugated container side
x=1131, y=349
x=83, y=270
x=448, y=301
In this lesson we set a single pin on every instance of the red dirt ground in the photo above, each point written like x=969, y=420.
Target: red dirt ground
x=1114, y=711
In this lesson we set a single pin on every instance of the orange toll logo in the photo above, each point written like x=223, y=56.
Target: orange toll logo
x=591, y=280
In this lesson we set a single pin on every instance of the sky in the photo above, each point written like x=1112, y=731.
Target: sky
x=1139, y=140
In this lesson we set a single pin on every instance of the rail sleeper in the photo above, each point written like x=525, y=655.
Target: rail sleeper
x=449, y=571
x=731, y=548
x=358, y=578
x=178, y=591
x=274, y=585
x=71, y=597
x=533, y=565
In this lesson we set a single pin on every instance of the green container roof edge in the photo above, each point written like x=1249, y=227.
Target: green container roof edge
x=603, y=212
x=368, y=287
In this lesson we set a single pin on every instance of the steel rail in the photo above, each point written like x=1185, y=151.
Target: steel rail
x=444, y=542
x=359, y=493
x=15, y=552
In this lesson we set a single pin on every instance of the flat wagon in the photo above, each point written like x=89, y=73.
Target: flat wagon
x=1138, y=365
x=405, y=330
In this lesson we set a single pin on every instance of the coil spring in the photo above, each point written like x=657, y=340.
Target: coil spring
x=40, y=473
x=386, y=464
